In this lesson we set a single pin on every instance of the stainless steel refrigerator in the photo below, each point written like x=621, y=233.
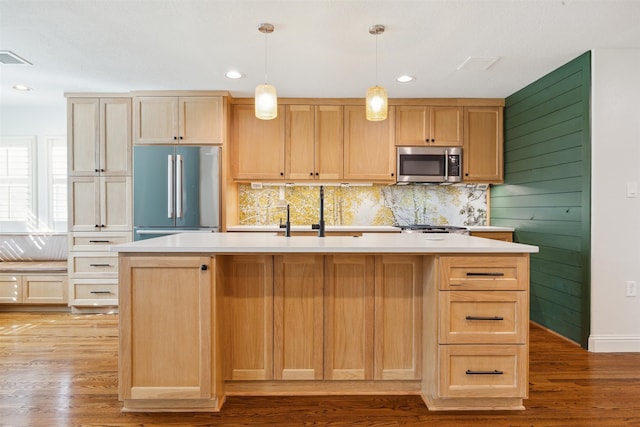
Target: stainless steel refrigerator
x=175, y=189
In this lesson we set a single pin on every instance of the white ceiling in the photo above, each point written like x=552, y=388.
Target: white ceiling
x=320, y=48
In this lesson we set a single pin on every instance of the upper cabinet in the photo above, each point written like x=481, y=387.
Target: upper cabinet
x=369, y=152
x=429, y=125
x=99, y=138
x=257, y=149
x=483, y=145
x=179, y=120
x=313, y=142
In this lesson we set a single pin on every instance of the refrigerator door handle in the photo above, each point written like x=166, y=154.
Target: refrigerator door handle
x=170, y=202
x=179, y=186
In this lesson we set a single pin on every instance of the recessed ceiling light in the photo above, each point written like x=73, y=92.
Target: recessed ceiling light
x=405, y=78
x=22, y=88
x=233, y=74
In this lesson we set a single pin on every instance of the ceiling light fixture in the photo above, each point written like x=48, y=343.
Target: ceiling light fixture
x=376, y=100
x=266, y=99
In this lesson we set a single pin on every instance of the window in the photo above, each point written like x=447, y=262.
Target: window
x=33, y=184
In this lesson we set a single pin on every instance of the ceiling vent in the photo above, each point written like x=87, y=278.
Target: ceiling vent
x=478, y=63
x=9, y=58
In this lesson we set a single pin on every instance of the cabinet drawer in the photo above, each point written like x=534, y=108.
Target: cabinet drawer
x=475, y=317
x=10, y=289
x=483, y=371
x=93, y=264
x=94, y=292
x=44, y=289
x=97, y=241
x=484, y=272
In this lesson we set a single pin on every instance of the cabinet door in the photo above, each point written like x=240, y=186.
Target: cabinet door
x=83, y=133
x=349, y=285
x=412, y=125
x=300, y=142
x=10, y=289
x=369, y=151
x=115, y=203
x=201, y=120
x=483, y=145
x=114, y=152
x=329, y=147
x=446, y=126
x=398, y=317
x=257, y=150
x=248, y=295
x=44, y=289
x=156, y=120
x=167, y=329
x=84, y=204
x=298, y=314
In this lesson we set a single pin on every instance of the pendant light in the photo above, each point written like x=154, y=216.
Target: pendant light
x=266, y=99
x=376, y=100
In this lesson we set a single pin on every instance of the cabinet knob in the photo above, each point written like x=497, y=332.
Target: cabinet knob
x=317, y=174
x=97, y=226
x=180, y=137
x=392, y=174
x=95, y=170
x=433, y=140
x=281, y=173
x=101, y=170
x=175, y=137
x=102, y=226
x=204, y=267
x=310, y=173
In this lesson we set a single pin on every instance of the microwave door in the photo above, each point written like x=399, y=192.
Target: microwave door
x=422, y=167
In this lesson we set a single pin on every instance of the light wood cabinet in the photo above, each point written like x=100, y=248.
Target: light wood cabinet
x=248, y=295
x=505, y=236
x=298, y=317
x=398, y=317
x=369, y=150
x=482, y=153
x=179, y=120
x=39, y=289
x=100, y=204
x=258, y=146
x=314, y=142
x=429, y=125
x=349, y=311
x=99, y=134
x=476, y=340
x=167, y=337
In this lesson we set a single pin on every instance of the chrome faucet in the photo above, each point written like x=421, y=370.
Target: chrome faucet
x=287, y=225
x=320, y=225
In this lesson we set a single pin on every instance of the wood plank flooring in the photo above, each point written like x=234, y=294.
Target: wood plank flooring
x=60, y=369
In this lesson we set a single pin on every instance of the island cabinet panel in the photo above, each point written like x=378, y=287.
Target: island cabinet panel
x=349, y=290
x=167, y=336
x=398, y=317
x=248, y=317
x=298, y=317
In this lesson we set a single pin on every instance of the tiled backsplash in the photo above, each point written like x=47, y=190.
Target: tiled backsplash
x=364, y=205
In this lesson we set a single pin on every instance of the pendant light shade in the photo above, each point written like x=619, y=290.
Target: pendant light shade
x=266, y=99
x=376, y=100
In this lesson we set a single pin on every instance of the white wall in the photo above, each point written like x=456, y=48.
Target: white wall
x=615, y=218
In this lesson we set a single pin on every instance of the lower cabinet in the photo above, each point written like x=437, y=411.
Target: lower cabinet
x=168, y=333
x=33, y=289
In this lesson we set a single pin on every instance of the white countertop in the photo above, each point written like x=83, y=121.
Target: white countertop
x=353, y=228
x=228, y=243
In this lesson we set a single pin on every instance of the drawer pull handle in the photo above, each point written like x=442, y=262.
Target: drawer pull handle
x=485, y=318
x=490, y=274
x=100, y=292
x=494, y=372
x=99, y=265
x=99, y=241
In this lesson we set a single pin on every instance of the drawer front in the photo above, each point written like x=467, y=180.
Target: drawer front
x=483, y=317
x=94, y=292
x=96, y=241
x=485, y=272
x=45, y=289
x=483, y=371
x=10, y=289
x=93, y=264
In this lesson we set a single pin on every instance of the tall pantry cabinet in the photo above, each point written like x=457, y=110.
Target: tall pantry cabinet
x=99, y=171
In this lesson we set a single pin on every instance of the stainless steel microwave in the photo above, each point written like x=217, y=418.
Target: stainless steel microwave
x=429, y=164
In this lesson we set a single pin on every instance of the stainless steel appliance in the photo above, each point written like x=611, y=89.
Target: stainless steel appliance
x=429, y=164
x=428, y=228
x=175, y=189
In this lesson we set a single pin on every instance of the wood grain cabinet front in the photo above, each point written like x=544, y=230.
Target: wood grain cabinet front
x=429, y=125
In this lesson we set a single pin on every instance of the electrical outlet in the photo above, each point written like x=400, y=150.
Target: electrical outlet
x=631, y=288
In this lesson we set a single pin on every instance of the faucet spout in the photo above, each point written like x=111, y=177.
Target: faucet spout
x=321, y=221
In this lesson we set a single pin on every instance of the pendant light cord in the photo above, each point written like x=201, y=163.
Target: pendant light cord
x=265, y=58
x=376, y=59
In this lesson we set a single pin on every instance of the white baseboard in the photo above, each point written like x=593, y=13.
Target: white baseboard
x=614, y=343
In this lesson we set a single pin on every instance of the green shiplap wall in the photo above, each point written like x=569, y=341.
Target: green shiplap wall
x=546, y=193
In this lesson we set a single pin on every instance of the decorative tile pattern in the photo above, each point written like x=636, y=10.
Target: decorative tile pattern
x=364, y=205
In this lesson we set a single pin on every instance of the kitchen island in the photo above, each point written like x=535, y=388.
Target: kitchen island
x=209, y=315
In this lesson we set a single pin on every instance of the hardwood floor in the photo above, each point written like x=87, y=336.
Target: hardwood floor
x=60, y=369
